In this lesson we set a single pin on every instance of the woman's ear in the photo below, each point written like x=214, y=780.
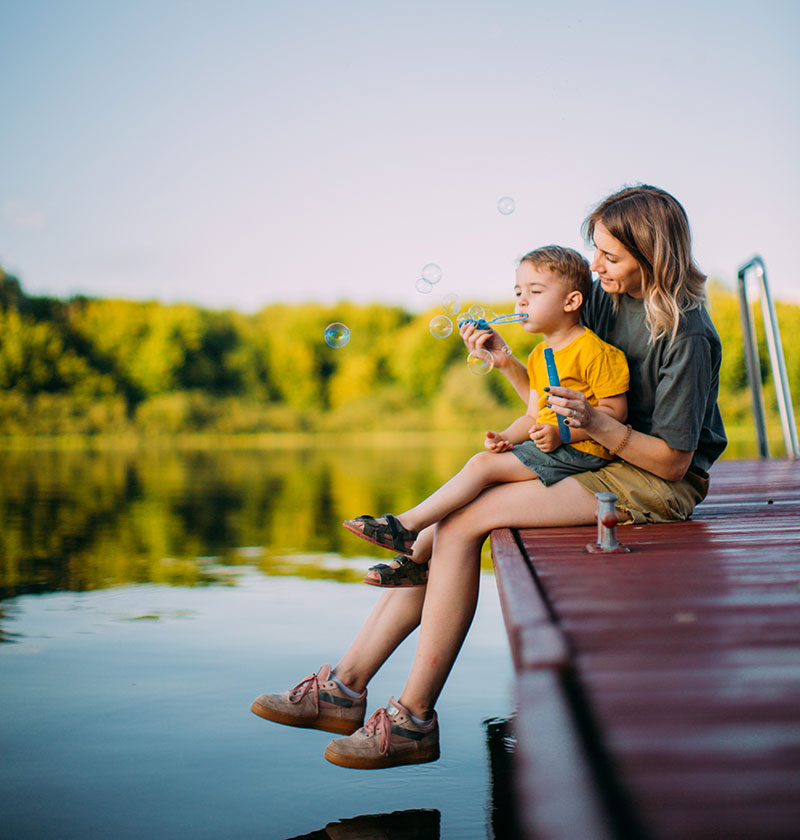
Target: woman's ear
x=573, y=302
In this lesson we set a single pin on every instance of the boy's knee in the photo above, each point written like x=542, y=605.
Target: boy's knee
x=481, y=461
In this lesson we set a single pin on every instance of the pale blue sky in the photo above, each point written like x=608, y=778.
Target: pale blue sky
x=237, y=153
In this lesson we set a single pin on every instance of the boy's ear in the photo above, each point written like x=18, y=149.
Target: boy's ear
x=573, y=302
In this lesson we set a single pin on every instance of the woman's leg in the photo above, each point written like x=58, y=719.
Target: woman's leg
x=446, y=605
x=452, y=589
x=396, y=614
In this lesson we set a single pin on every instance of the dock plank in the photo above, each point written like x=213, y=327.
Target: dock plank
x=683, y=656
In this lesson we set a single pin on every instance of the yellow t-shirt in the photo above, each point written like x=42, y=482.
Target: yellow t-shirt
x=587, y=364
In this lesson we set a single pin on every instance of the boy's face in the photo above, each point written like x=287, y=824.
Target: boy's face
x=543, y=298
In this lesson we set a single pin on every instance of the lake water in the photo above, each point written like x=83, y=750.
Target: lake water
x=147, y=597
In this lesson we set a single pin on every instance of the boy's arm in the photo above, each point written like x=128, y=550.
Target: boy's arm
x=519, y=430
x=616, y=407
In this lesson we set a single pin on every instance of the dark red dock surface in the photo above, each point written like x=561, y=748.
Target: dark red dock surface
x=658, y=691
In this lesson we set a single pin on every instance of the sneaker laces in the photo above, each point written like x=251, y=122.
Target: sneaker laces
x=303, y=687
x=380, y=721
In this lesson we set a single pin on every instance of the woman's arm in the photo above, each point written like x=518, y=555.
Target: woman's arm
x=616, y=407
x=513, y=370
x=646, y=451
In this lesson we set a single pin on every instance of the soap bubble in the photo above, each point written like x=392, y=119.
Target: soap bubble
x=450, y=303
x=441, y=326
x=461, y=317
x=432, y=273
x=480, y=362
x=423, y=286
x=506, y=205
x=336, y=335
x=476, y=311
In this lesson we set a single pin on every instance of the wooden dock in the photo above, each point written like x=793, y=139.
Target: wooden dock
x=658, y=691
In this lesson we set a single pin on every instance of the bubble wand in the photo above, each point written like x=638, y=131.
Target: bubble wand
x=483, y=323
x=555, y=382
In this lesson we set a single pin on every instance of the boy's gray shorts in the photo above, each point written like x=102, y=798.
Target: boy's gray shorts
x=560, y=463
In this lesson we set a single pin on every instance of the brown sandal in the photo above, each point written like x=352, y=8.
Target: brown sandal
x=408, y=573
x=387, y=534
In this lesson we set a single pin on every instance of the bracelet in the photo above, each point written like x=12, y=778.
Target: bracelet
x=623, y=442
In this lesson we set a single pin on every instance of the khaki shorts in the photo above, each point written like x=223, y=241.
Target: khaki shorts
x=644, y=497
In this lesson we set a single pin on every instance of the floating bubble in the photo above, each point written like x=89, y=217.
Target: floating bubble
x=441, y=326
x=336, y=335
x=506, y=205
x=432, y=273
x=476, y=311
x=450, y=303
x=480, y=362
x=423, y=286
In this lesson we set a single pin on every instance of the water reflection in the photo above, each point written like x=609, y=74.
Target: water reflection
x=414, y=824
x=82, y=521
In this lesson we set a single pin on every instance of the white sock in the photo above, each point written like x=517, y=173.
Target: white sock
x=419, y=721
x=348, y=691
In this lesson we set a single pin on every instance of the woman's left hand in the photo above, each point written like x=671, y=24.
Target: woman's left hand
x=573, y=406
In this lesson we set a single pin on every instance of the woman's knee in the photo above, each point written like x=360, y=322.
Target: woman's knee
x=460, y=525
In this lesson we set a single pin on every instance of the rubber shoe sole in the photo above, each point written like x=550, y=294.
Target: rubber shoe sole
x=382, y=762
x=335, y=725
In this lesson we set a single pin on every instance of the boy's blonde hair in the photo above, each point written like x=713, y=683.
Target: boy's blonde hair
x=653, y=226
x=570, y=267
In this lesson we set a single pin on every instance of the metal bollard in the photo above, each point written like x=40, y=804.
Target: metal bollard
x=606, y=516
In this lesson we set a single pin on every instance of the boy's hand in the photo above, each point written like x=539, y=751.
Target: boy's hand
x=489, y=339
x=546, y=437
x=495, y=442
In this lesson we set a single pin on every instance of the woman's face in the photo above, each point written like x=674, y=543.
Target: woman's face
x=616, y=267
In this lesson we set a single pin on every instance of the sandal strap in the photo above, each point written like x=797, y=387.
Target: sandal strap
x=391, y=528
x=407, y=572
x=400, y=535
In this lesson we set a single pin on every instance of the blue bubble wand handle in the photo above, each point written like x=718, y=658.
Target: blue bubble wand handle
x=552, y=376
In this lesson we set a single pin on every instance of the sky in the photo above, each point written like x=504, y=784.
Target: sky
x=233, y=153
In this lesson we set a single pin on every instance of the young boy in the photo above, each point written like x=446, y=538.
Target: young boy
x=552, y=284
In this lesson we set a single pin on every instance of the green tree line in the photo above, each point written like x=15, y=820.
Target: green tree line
x=104, y=366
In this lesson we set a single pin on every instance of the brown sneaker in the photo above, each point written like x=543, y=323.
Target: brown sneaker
x=315, y=703
x=390, y=738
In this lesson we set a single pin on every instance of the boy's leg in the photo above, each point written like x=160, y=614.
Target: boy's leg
x=481, y=471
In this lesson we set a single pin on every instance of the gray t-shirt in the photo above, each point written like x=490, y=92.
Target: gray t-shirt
x=673, y=389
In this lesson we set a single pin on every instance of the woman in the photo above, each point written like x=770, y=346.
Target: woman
x=648, y=301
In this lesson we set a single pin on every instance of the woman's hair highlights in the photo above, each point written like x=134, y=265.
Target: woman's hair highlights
x=653, y=226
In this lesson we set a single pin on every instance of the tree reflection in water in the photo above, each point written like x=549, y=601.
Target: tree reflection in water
x=75, y=521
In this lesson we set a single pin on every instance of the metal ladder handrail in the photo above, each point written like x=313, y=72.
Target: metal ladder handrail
x=777, y=363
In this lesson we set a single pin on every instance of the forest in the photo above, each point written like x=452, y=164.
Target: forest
x=94, y=367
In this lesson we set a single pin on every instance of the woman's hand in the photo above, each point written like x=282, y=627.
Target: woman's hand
x=495, y=442
x=574, y=406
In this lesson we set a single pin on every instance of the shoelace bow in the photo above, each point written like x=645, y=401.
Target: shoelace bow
x=380, y=721
x=304, y=686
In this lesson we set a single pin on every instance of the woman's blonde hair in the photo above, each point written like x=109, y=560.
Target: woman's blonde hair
x=653, y=226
